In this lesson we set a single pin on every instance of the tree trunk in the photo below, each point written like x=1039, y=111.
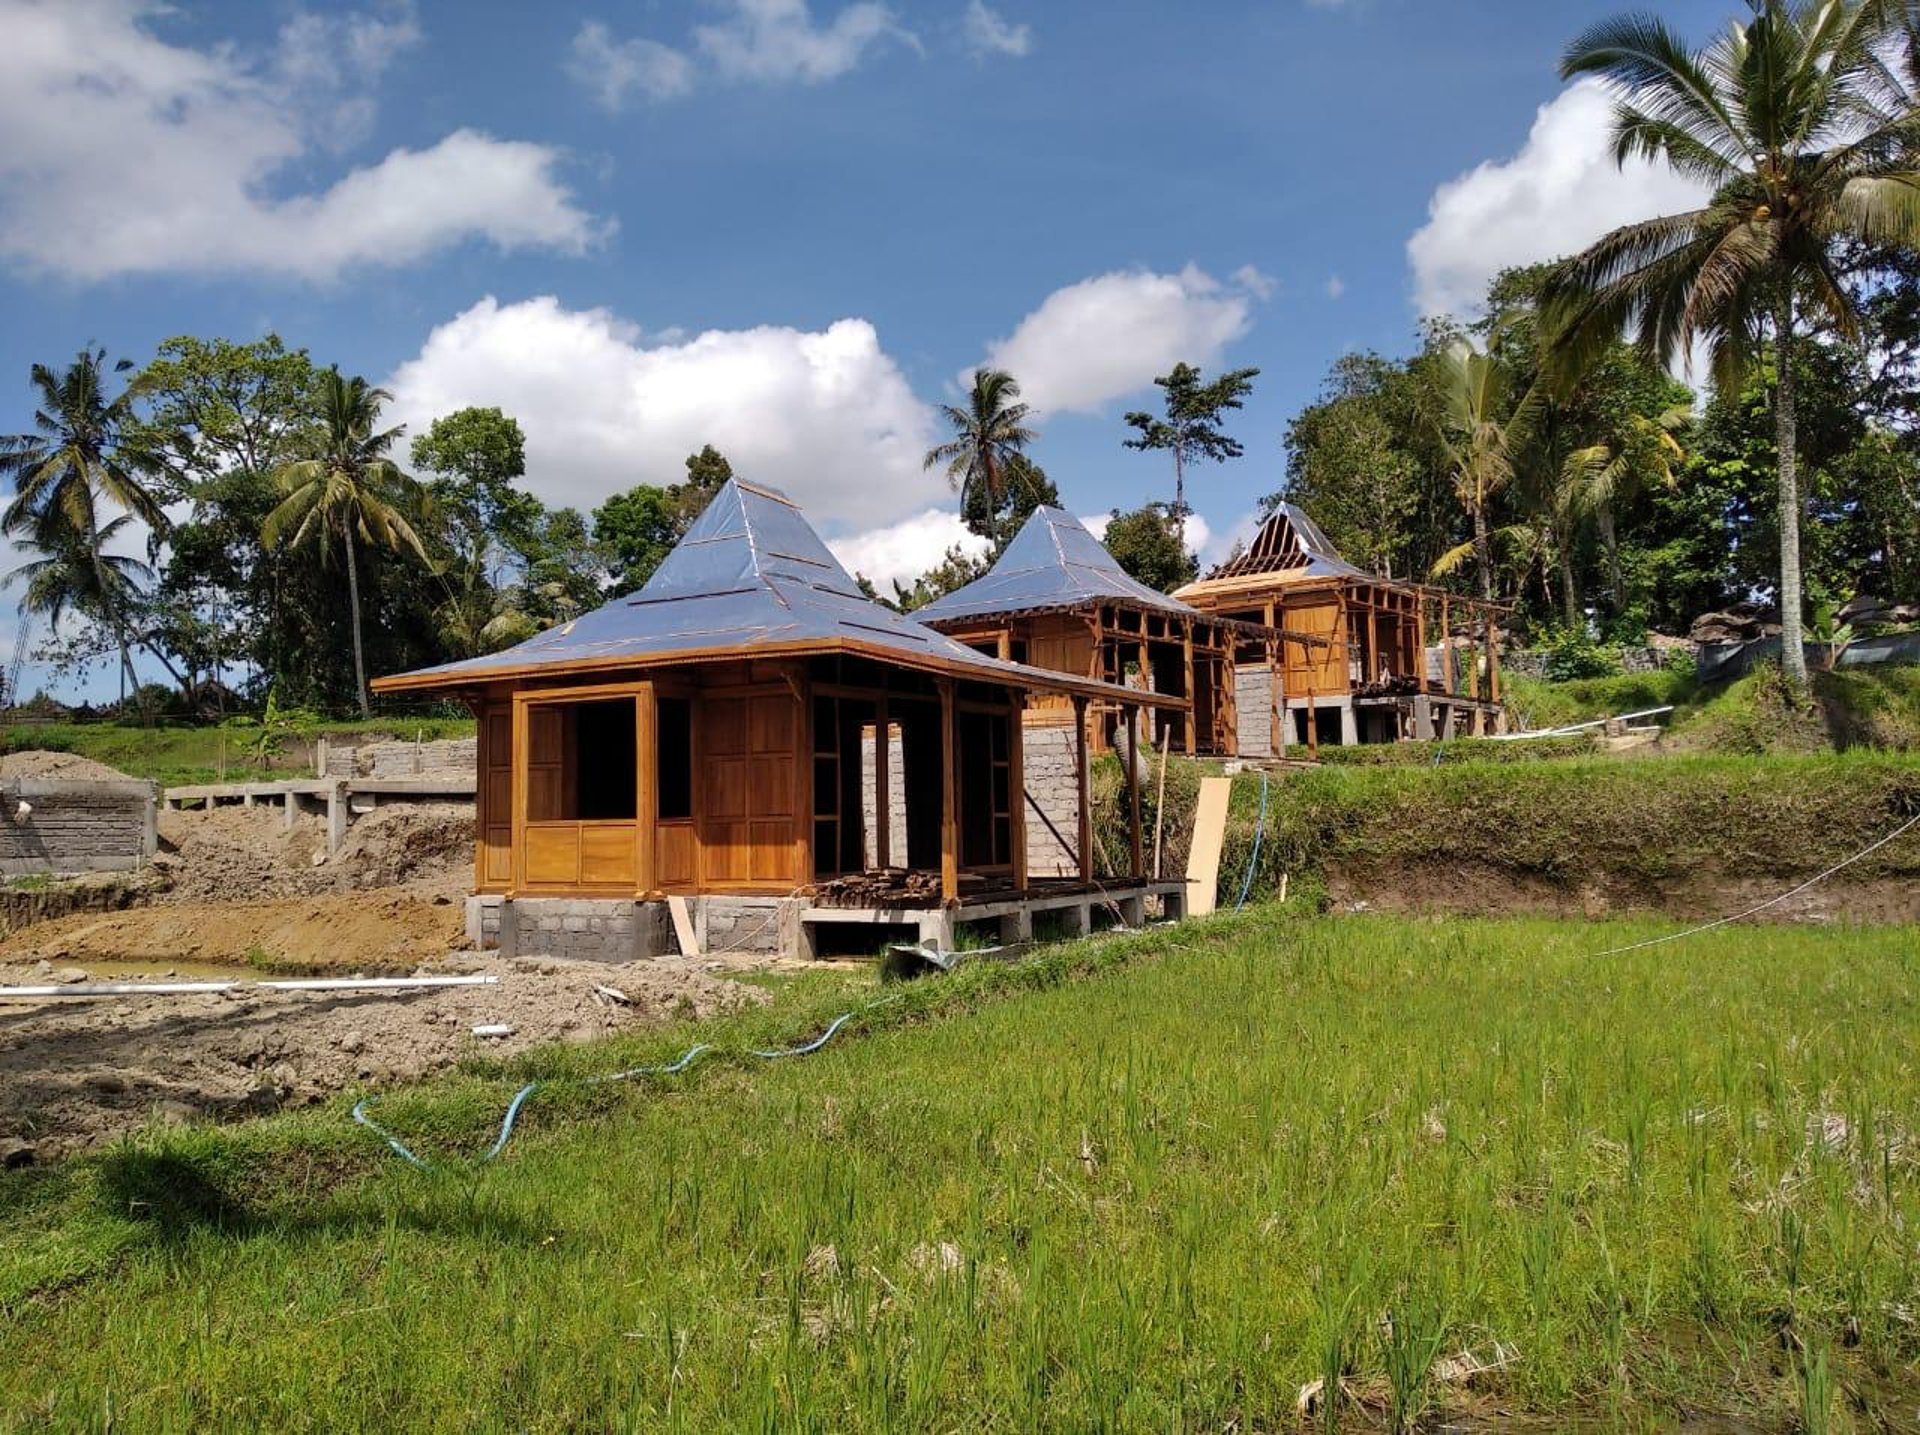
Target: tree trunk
x=1483, y=560
x=353, y=600
x=1610, y=540
x=1793, y=655
x=1569, y=588
x=1179, y=484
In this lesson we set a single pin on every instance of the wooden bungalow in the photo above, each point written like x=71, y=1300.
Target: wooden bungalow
x=703, y=739
x=1398, y=660
x=1058, y=600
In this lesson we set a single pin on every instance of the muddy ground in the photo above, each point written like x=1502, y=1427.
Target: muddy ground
x=238, y=895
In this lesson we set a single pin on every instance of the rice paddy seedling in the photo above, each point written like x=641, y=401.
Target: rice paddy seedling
x=1155, y=1182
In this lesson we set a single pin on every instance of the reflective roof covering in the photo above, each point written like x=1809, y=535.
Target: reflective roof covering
x=1052, y=563
x=750, y=574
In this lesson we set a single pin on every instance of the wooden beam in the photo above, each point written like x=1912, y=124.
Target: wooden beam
x=1017, y=794
x=882, y=786
x=646, y=797
x=1084, y=803
x=517, y=877
x=1135, y=847
x=1193, y=698
x=949, y=797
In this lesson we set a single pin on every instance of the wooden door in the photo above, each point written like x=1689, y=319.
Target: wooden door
x=747, y=748
x=496, y=799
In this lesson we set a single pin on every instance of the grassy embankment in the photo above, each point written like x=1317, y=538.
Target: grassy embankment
x=1165, y=1194
x=180, y=754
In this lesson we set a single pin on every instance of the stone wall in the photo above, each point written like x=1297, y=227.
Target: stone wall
x=57, y=825
x=764, y=926
x=1054, y=788
x=446, y=757
x=1253, y=695
x=583, y=929
x=896, y=802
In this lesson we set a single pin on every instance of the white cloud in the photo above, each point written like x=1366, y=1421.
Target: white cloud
x=779, y=40
x=612, y=70
x=906, y=549
x=826, y=416
x=1112, y=335
x=1336, y=287
x=1256, y=281
x=121, y=153
x=1561, y=192
x=988, y=32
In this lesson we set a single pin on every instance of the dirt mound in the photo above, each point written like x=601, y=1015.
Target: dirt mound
x=240, y=853
x=74, y=1073
x=384, y=931
x=70, y=766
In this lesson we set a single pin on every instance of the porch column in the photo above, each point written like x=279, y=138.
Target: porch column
x=646, y=801
x=949, y=797
x=1017, y=790
x=1136, y=854
x=1084, y=804
x=1193, y=701
x=882, y=787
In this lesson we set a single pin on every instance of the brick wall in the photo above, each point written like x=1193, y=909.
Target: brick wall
x=447, y=757
x=896, y=803
x=1054, y=786
x=73, y=826
x=1253, y=692
x=577, y=929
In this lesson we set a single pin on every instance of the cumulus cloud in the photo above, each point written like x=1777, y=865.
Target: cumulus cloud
x=988, y=32
x=121, y=153
x=1561, y=192
x=1109, y=336
x=780, y=40
x=827, y=416
x=906, y=549
x=1336, y=287
x=612, y=71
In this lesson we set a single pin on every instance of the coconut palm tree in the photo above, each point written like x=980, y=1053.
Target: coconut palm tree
x=1801, y=123
x=988, y=435
x=74, y=461
x=350, y=491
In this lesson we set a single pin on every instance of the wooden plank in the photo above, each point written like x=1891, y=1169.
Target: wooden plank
x=683, y=926
x=607, y=854
x=519, y=824
x=646, y=796
x=1017, y=795
x=1209, y=836
x=1084, y=804
x=1135, y=846
x=949, y=797
x=882, y=786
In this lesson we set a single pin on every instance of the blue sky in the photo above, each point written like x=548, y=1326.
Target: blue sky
x=791, y=227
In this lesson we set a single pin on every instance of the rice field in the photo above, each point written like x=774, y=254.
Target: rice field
x=1448, y=1170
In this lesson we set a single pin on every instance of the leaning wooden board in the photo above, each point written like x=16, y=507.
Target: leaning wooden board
x=1209, y=834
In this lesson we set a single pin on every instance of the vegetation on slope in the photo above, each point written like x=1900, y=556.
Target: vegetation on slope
x=1171, y=1195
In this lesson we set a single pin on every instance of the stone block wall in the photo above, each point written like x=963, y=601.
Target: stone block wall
x=446, y=757
x=1054, y=788
x=763, y=926
x=55, y=825
x=896, y=801
x=1253, y=694
x=581, y=929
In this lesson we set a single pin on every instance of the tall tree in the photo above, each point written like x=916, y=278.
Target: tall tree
x=1191, y=428
x=475, y=457
x=1802, y=122
x=988, y=435
x=1024, y=487
x=76, y=460
x=1483, y=436
x=350, y=490
x=1150, y=545
x=639, y=528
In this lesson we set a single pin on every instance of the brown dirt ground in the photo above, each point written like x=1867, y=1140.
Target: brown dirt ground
x=76, y=1072
x=245, y=897
x=35, y=763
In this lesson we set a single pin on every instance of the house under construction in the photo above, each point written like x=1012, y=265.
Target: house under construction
x=748, y=752
x=1390, y=660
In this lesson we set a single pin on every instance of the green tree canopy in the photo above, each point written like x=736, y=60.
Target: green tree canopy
x=1191, y=426
x=1149, y=544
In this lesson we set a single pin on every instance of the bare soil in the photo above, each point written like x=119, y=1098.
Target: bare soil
x=76, y=1072
x=239, y=894
x=67, y=765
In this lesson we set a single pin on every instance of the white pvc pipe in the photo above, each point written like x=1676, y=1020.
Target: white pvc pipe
x=318, y=984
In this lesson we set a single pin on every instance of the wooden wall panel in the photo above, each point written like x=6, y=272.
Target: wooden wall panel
x=552, y=854
x=1322, y=669
x=495, y=802
x=607, y=854
x=748, y=776
x=674, y=852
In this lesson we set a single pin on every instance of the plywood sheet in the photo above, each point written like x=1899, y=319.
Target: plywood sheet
x=1209, y=835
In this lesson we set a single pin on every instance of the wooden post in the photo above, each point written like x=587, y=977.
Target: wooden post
x=1493, y=657
x=1017, y=790
x=1193, y=699
x=1085, y=803
x=1136, y=855
x=1447, y=678
x=949, y=797
x=517, y=878
x=646, y=799
x=1420, y=641
x=1006, y=645
x=1159, y=808
x=882, y=786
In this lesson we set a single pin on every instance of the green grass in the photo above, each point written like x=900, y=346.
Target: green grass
x=179, y=754
x=1148, y=1184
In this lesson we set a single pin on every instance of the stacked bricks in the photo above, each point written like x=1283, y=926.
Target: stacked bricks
x=1253, y=693
x=577, y=929
x=1054, y=789
x=57, y=825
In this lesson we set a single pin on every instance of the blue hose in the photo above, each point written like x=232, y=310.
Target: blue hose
x=1259, y=836
x=671, y=1069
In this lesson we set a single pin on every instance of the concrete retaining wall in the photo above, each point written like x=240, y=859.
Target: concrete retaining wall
x=73, y=826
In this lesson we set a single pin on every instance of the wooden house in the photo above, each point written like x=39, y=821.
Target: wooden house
x=1397, y=659
x=1056, y=599
x=711, y=738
